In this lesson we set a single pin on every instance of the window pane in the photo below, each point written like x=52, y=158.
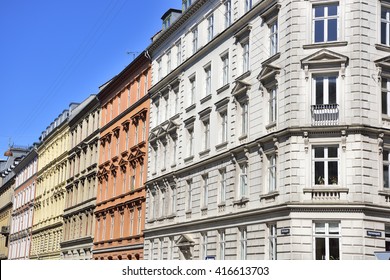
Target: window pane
x=385, y=155
x=320, y=228
x=319, y=152
x=387, y=245
x=383, y=32
x=332, y=172
x=332, y=10
x=320, y=248
x=319, y=31
x=387, y=231
x=384, y=102
x=332, y=90
x=332, y=152
x=319, y=11
x=332, y=30
x=383, y=13
x=334, y=252
x=334, y=228
x=385, y=176
x=319, y=173
x=319, y=90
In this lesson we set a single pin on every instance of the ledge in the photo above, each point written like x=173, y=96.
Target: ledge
x=241, y=201
x=206, y=98
x=188, y=159
x=243, y=75
x=191, y=107
x=271, y=59
x=221, y=146
x=223, y=88
x=270, y=125
x=243, y=137
x=204, y=153
x=382, y=47
x=269, y=195
x=325, y=45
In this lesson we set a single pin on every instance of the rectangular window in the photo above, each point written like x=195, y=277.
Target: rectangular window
x=159, y=70
x=146, y=83
x=194, y=40
x=243, y=244
x=206, y=134
x=248, y=5
x=245, y=56
x=272, y=173
x=225, y=69
x=385, y=25
x=224, y=127
x=325, y=109
x=210, y=28
x=136, y=133
x=193, y=91
x=189, y=194
x=244, y=118
x=207, y=80
x=174, y=152
x=117, y=145
x=155, y=159
x=132, y=182
x=222, y=185
x=327, y=240
x=272, y=233
x=273, y=37
x=386, y=164
x=138, y=88
x=190, y=149
x=121, y=225
x=169, y=62
x=143, y=130
x=222, y=244
x=205, y=190
x=139, y=220
x=166, y=109
x=243, y=191
x=204, y=245
x=186, y=4
x=173, y=200
x=228, y=13
x=326, y=161
x=325, y=23
x=131, y=225
x=385, y=96
x=141, y=175
x=164, y=157
x=387, y=238
x=127, y=139
x=178, y=53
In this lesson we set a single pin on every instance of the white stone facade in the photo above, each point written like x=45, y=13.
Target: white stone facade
x=270, y=139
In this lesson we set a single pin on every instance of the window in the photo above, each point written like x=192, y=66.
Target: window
x=248, y=5
x=195, y=40
x=193, y=90
x=243, y=191
x=167, y=22
x=132, y=182
x=327, y=240
x=157, y=114
x=174, y=152
x=169, y=62
x=146, y=83
x=387, y=238
x=117, y=145
x=139, y=219
x=155, y=154
x=325, y=23
x=243, y=243
x=206, y=135
x=121, y=225
x=138, y=89
x=273, y=37
x=245, y=56
x=244, y=118
x=210, y=28
x=325, y=105
x=173, y=199
x=186, y=4
x=176, y=104
x=272, y=242
x=144, y=130
x=204, y=246
x=166, y=109
x=164, y=157
x=171, y=248
x=222, y=244
x=385, y=96
x=159, y=70
x=325, y=160
x=228, y=13
x=386, y=164
x=178, y=53
x=205, y=190
x=189, y=194
x=141, y=175
x=385, y=25
x=190, y=149
x=272, y=173
x=127, y=139
x=222, y=185
x=207, y=71
x=225, y=69
x=224, y=128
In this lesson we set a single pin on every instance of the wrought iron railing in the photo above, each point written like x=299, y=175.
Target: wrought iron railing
x=325, y=114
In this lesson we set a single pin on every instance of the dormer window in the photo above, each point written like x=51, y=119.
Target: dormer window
x=186, y=4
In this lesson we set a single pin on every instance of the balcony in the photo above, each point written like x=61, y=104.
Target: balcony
x=325, y=114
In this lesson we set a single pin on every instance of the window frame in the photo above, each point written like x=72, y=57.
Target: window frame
x=324, y=182
x=325, y=18
x=327, y=236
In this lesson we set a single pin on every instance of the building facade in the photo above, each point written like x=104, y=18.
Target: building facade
x=23, y=207
x=81, y=181
x=269, y=132
x=120, y=208
x=7, y=175
x=47, y=229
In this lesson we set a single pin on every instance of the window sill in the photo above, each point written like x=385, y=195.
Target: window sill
x=244, y=75
x=243, y=137
x=270, y=125
x=241, y=201
x=191, y=107
x=188, y=159
x=163, y=169
x=171, y=216
x=204, y=153
x=159, y=219
x=206, y=98
x=154, y=173
x=173, y=165
x=271, y=59
x=385, y=117
x=151, y=221
x=325, y=45
x=221, y=146
x=270, y=195
x=382, y=47
x=385, y=193
x=223, y=88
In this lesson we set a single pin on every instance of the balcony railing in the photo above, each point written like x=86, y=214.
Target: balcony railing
x=325, y=114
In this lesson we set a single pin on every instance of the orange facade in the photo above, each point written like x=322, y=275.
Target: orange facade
x=120, y=209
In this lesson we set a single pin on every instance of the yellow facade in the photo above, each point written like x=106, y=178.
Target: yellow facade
x=50, y=194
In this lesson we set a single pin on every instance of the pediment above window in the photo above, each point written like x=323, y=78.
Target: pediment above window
x=172, y=127
x=269, y=74
x=241, y=89
x=383, y=66
x=270, y=13
x=185, y=240
x=324, y=59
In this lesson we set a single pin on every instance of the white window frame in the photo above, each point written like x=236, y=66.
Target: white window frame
x=326, y=19
x=206, y=134
x=245, y=55
x=192, y=90
x=272, y=241
x=205, y=190
x=222, y=244
x=273, y=37
x=385, y=96
x=247, y=5
x=178, y=53
x=210, y=28
x=228, y=13
x=243, y=243
x=204, y=243
x=325, y=181
x=194, y=40
x=191, y=139
x=189, y=191
x=273, y=104
x=327, y=235
x=386, y=164
x=272, y=172
x=224, y=126
x=207, y=71
x=225, y=69
x=169, y=61
x=243, y=180
x=222, y=185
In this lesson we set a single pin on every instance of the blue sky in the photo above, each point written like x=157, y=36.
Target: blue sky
x=57, y=52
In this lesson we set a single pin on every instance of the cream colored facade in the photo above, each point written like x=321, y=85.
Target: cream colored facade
x=50, y=190
x=81, y=181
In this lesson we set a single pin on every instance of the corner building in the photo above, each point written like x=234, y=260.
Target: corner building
x=81, y=181
x=269, y=135
x=120, y=208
